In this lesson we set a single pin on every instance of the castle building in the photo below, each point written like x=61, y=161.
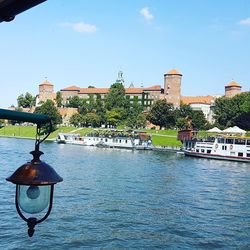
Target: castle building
x=232, y=89
x=46, y=92
x=145, y=96
x=172, y=87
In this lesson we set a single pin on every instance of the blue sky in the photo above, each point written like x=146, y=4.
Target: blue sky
x=86, y=42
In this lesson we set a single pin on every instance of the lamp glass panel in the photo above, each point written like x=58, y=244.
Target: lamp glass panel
x=33, y=199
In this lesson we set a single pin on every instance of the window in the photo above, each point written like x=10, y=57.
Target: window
x=229, y=141
x=220, y=140
x=248, y=154
x=240, y=141
x=224, y=147
x=197, y=150
x=240, y=154
x=202, y=151
x=209, y=151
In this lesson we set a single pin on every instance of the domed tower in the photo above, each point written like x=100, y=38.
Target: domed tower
x=232, y=89
x=172, y=87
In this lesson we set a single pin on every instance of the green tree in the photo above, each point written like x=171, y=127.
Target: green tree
x=49, y=108
x=74, y=102
x=182, y=123
x=198, y=120
x=59, y=99
x=162, y=114
x=135, y=118
x=243, y=121
x=114, y=116
x=100, y=109
x=228, y=109
x=245, y=105
x=184, y=111
x=93, y=120
x=91, y=106
x=26, y=101
x=116, y=97
x=78, y=120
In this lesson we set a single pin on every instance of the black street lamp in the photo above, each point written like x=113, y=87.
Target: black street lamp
x=34, y=180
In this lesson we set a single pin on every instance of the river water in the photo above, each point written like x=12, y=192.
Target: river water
x=122, y=199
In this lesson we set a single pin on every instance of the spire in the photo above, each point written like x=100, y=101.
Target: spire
x=120, y=78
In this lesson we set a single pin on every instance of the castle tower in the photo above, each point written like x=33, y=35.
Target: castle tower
x=46, y=91
x=172, y=87
x=232, y=89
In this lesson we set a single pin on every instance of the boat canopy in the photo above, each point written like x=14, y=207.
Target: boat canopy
x=234, y=130
x=214, y=130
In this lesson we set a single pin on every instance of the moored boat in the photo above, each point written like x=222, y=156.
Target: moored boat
x=219, y=147
x=108, y=139
x=70, y=138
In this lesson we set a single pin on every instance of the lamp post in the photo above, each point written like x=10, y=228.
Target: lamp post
x=34, y=189
x=34, y=180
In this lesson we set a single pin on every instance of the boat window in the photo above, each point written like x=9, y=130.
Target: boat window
x=224, y=147
x=248, y=142
x=220, y=140
x=202, y=151
x=126, y=141
x=106, y=140
x=197, y=150
x=240, y=141
x=229, y=141
x=240, y=154
x=209, y=151
x=120, y=141
x=248, y=154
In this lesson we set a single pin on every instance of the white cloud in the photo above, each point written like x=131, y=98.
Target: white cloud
x=245, y=21
x=81, y=27
x=146, y=14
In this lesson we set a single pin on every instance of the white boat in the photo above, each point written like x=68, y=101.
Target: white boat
x=110, y=139
x=220, y=147
x=70, y=138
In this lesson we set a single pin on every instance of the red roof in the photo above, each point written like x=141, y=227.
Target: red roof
x=71, y=88
x=106, y=90
x=46, y=82
x=93, y=90
x=197, y=99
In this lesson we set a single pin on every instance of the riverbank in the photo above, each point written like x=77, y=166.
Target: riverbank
x=159, y=138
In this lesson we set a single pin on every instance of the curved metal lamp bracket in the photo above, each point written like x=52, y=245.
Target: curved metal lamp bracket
x=39, y=140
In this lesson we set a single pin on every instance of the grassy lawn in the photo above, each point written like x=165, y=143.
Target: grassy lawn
x=18, y=131
x=30, y=131
x=165, y=141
